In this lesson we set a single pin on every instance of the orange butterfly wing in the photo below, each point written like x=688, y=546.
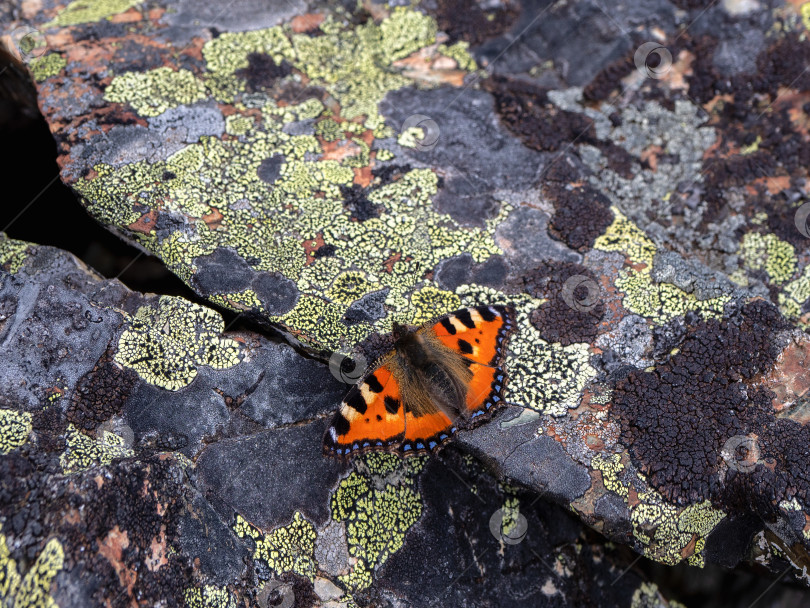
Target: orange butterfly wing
x=480, y=334
x=371, y=416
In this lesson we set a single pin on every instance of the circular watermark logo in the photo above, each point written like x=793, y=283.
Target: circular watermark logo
x=429, y=131
x=508, y=525
x=741, y=453
x=276, y=594
x=580, y=293
x=653, y=60
x=115, y=426
x=800, y=219
x=29, y=42
x=346, y=369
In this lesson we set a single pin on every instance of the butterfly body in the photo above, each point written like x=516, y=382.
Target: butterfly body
x=445, y=375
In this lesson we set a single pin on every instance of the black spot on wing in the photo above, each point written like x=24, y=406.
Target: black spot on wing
x=464, y=317
x=340, y=424
x=465, y=347
x=391, y=404
x=355, y=401
x=451, y=329
x=374, y=384
x=487, y=314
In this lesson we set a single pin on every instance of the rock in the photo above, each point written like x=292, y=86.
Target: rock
x=642, y=211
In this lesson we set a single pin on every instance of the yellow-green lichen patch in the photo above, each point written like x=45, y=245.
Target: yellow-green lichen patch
x=228, y=52
x=34, y=589
x=659, y=302
x=804, y=11
x=9, y=577
x=611, y=468
x=88, y=11
x=546, y=377
x=354, y=65
x=460, y=52
x=152, y=93
x=510, y=513
x=82, y=452
x=14, y=429
x=648, y=596
x=236, y=124
x=209, y=597
x=12, y=253
x=377, y=508
x=673, y=530
x=271, y=223
x=768, y=251
x=429, y=299
x=46, y=66
x=286, y=549
x=350, y=286
x=166, y=343
x=664, y=530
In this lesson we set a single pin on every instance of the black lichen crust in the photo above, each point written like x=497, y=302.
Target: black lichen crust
x=581, y=214
x=464, y=20
x=677, y=418
x=138, y=507
x=556, y=319
x=262, y=72
x=100, y=393
x=526, y=111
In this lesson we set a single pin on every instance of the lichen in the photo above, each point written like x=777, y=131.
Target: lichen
x=12, y=253
x=33, y=590
x=611, y=467
x=165, y=343
x=209, y=596
x=769, y=252
x=460, y=52
x=659, y=302
x=288, y=548
x=647, y=596
x=378, y=508
x=46, y=66
x=82, y=452
x=153, y=92
x=14, y=429
x=88, y=11
x=663, y=529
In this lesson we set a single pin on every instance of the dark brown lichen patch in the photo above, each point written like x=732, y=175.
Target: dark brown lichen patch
x=262, y=72
x=100, y=393
x=128, y=524
x=581, y=214
x=464, y=20
x=389, y=173
x=608, y=79
x=678, y=419
x=763, y=147
x=356, y=201
x=573, y=308
x=526, y=111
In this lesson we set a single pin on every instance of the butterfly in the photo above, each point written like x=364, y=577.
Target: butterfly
x=445, y=375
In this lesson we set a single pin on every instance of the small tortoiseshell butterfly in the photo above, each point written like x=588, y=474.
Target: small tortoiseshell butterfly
x=445, y=375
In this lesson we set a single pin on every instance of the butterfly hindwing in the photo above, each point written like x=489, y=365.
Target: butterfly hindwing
x=485, y=393
x=479, y=332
